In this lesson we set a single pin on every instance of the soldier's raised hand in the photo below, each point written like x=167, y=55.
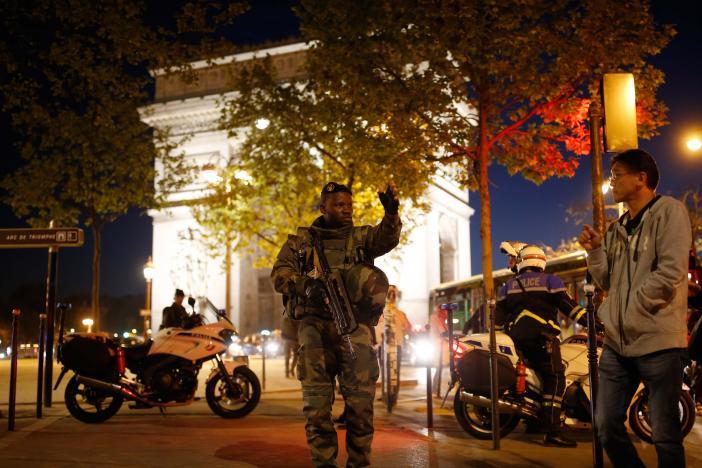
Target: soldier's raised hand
x=589, y=238
x=389, y=199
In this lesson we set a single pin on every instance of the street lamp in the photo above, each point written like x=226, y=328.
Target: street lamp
x=88, y=322
x=694, y=144
x=149, y=271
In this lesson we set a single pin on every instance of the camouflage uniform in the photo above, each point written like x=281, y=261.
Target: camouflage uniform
x=322, y=357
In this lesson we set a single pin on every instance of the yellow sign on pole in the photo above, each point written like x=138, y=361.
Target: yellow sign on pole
x=620, y=112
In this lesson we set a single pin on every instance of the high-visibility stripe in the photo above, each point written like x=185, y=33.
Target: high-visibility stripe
x=555, y=404
x=531, y=315
x=580, y=313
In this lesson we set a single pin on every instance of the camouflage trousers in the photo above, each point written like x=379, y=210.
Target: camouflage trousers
x=322, y=359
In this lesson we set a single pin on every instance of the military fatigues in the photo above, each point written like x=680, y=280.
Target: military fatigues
x=322, y=356
x=527, y=308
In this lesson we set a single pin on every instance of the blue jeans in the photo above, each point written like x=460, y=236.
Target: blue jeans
x=662, y=373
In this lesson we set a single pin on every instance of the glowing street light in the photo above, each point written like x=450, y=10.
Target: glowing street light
x=149, y=271
x=694, y=144
x=262, y=123
x=88, y=322
x=605, y=186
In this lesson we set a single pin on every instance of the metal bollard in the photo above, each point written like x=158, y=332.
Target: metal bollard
x=597, y=454
x=494, y=408
x=40, y=364
x=263, y=364
x=13, y=370
x=430, y=408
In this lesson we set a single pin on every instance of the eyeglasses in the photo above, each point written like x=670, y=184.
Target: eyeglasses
x=615, y=176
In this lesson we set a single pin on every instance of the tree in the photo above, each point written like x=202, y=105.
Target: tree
x=74, y=74
x=693, y=201
x=310, y=138
x=486, y=81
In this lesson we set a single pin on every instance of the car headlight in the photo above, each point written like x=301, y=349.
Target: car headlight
x=235, y=349
x=272, y=347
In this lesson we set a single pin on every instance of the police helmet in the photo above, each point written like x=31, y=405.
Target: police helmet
x=531, y=256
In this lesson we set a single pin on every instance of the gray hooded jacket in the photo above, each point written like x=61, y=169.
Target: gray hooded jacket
x=645, y=276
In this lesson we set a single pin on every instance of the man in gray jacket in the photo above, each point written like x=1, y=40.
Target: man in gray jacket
x=641, y=263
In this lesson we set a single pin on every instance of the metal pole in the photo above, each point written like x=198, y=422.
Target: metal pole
x=40, y=364
x=263, y=371
x=494, y=408
x=440, y=368
x=430, y=409
x=597, y=457
x=50, y=313
x=148, y=307
x=13, y=370
x=598, y=208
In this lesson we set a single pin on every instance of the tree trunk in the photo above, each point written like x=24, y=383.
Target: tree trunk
x=97, y=252
x=228, y=277
x=485, y=216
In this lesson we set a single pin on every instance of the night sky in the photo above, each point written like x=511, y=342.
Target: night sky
x=520, y=209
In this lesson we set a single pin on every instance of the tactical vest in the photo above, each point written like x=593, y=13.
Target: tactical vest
x=341, y=254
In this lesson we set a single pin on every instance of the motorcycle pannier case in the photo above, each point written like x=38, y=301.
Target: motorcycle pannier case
x=474, y=372
x=88, y=355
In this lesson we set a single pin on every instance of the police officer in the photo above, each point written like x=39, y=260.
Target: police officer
x=175, y=314
x=322, y=356
x=527, y=308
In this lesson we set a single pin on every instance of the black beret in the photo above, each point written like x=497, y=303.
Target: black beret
x=335, y=187
x=179, y=292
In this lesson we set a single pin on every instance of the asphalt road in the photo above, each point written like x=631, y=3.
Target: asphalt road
x=272, y=436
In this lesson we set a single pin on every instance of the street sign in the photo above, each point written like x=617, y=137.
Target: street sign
x=27, y=238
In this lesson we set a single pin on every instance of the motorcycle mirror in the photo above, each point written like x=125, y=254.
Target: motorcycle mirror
x=191, y=301
x=221, y=312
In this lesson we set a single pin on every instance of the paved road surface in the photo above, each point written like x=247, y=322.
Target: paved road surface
x=272, y=436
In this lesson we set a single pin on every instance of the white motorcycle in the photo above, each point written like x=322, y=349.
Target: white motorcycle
x=521, y=395
x=164, y=370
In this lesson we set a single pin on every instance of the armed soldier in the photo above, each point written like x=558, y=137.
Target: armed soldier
x=336, y=320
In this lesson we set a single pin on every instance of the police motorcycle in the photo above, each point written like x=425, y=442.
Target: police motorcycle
x=520, y=387
x=161, y=373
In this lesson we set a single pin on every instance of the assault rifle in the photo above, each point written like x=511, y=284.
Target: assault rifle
x=335, y=296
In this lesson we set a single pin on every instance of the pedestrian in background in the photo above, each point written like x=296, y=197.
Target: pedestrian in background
x=642, y=264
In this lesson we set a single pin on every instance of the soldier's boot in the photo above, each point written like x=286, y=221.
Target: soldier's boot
x=319, y=428
x=359, y=427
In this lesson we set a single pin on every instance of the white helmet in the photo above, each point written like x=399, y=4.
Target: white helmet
x=531, y=256
x=511, y=248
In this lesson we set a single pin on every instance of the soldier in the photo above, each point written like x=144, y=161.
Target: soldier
x=322, y=357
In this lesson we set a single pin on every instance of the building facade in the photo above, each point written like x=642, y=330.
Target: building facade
x=438, y=249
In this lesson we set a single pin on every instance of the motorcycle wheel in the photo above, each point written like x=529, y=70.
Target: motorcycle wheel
x=477, y=421
x=640, y=421
x=227, y=405
x=90, y=405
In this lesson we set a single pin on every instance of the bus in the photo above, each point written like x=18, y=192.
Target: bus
x=468, y=293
